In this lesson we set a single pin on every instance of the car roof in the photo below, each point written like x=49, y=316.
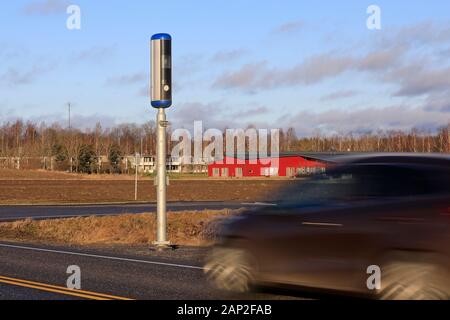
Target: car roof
x=394, y=158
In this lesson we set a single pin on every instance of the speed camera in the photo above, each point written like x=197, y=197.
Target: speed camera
x=161, y=82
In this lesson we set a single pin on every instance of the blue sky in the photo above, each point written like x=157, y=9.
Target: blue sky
x=311, y=65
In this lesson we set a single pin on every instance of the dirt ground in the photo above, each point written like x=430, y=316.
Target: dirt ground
x=11, y=174
x=62, y=188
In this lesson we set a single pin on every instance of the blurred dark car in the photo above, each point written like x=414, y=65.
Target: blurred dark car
x=332, y=232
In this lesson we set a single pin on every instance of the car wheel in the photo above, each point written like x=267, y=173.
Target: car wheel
x=413, y=281
x=231, y=269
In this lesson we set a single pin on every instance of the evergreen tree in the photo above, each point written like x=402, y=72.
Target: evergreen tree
x=86, y=159
x=114, y=158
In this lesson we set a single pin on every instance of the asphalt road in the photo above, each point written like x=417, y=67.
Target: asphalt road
x=31, y=272
x=12, y=213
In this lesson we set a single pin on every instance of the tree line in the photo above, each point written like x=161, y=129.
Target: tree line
x=79, y=148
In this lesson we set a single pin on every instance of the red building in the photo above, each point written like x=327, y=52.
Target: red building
x=286, y=165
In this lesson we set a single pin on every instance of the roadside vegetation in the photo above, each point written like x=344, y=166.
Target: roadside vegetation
x=189, y=228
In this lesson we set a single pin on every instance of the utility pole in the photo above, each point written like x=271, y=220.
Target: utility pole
x=161, y=98
x=69, y=105
x=136, y=176
x=20, y=155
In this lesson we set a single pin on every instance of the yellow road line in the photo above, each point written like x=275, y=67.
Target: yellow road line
x=58, y=289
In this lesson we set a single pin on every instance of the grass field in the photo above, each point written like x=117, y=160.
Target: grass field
x=36, y=187
x=185, y=228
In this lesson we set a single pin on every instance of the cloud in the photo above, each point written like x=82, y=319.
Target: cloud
x=188, y=64
x=417, y=35
x=257, y=76
x=215, y=114
x=289, y=27
x=307, y=123
x=84, y=121
x=78, y=121
x=380, y=59
x=14, y=77
x=445, y=53
x=409, y=59
x=248, y=77
x=315, y=69
x=365, y=120
x=129, y=79
x=21, y=67
x=415, y=80
x=47, y=7
x=248, y=113
x=94, y=54
x=339, y=95
x=5, y=112
x=186, y=113
x=10, y=52
x=144, y=91
x=226, y=56
x=438, y=102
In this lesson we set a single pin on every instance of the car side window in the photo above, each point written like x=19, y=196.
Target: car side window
x=390, y=181
x=362, y=182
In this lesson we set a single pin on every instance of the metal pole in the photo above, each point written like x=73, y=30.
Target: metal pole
x=70, y=134
x=161, y=182
x=161, y=98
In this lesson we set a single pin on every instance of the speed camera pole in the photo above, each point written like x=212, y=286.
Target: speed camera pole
x=161, y=95
x=161, y=183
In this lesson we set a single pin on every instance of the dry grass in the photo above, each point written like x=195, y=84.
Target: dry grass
x=193, y=228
